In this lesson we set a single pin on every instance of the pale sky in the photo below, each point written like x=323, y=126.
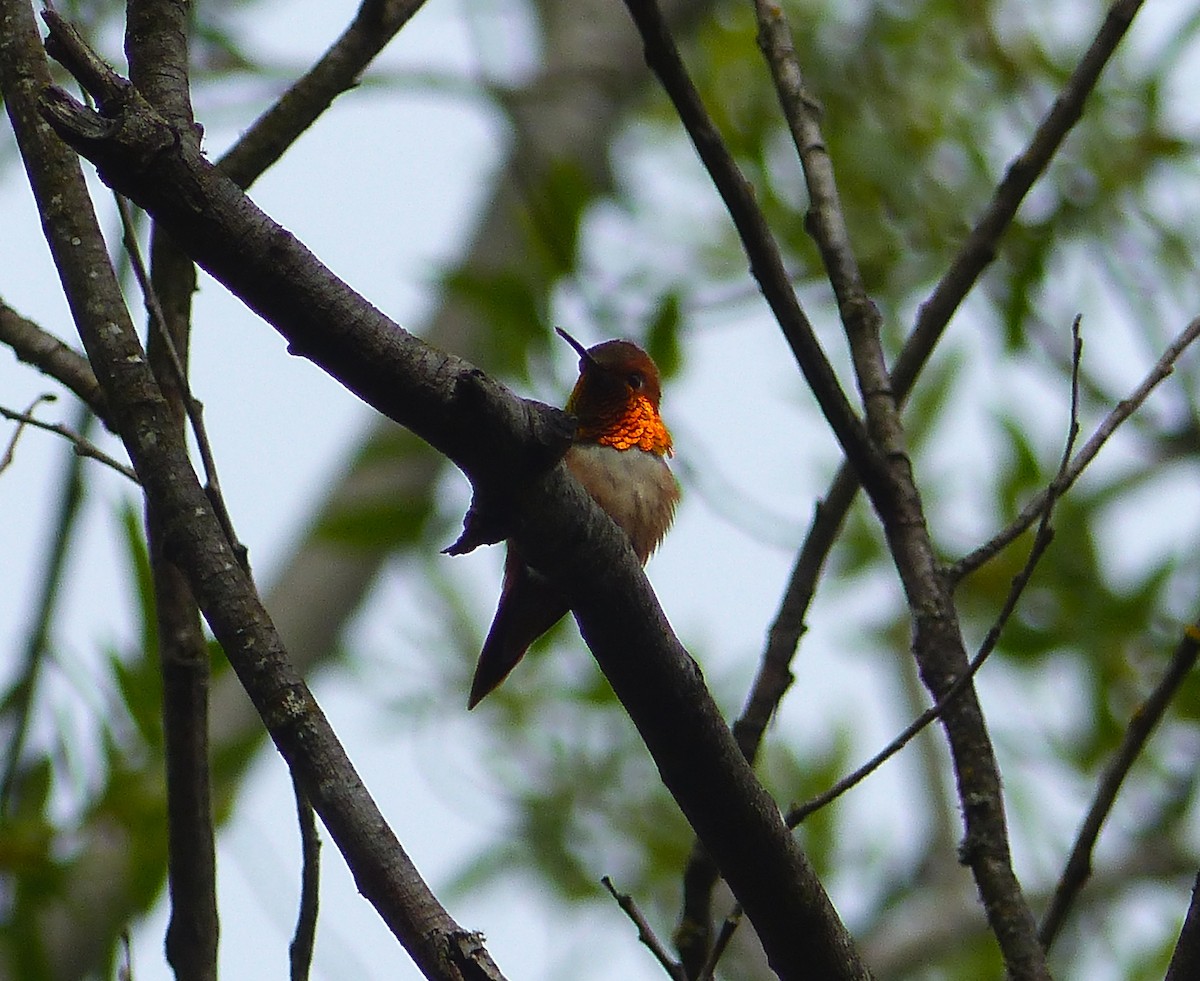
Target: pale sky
x=280, y=429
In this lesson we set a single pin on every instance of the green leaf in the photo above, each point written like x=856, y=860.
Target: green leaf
x=662, y=335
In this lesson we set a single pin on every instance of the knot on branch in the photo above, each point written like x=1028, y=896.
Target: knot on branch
x=122, y=115
x=74, y=121
x=502, y=469
x=66, y=46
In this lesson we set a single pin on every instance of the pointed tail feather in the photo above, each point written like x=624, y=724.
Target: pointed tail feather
x=528, y=608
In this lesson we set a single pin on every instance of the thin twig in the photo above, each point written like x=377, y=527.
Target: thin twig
x=1141, y=726
x=979, y=249
x=646, y=933
x=300, y=950
x=724, y=936
x=975, y=255
x=82, y=446
x=1040, y=543
x=193, y=407
x=1122, y=411
x=761, y=249
x=38, y=347
x=22, y=419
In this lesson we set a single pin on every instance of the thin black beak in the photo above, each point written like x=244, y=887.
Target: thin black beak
x=584, y=357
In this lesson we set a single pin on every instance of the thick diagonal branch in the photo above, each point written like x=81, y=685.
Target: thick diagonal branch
x=383, y=871
x=504, y=446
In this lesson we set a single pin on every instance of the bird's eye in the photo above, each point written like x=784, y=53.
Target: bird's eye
x=636, y=381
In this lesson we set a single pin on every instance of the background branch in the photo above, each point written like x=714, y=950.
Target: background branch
x=1121, y=411
x=156, y=45
x=1141, y=726
x=766, y=265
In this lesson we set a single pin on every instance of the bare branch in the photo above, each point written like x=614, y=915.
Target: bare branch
x=765, y=262
x=882, y=395
x=1141, y=726
x=301, y=949
x=975, y=255
x=646, y=933
x=1016, y=589
x=1122, y=411
x=797, y=815
x=83, y=446
x=937, y=637
x=38, y=347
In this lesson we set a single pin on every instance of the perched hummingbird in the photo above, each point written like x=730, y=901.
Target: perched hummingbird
x=619, y=455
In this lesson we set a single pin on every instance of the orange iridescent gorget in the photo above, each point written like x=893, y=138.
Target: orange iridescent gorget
x=639, y=425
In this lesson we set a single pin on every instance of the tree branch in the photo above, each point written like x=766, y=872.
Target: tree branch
x=83, y=446
x=1185, y=961
x=1121, y=411
x=976, y=254
x=1141, y=726
x=797, y=815
x=504, y=446
x=383, y=871
x=156, y=44
x=38, y=347
x=338, y=70
x=937, y=638
x=774, y=675
x=765, y=263
x=1016, y=589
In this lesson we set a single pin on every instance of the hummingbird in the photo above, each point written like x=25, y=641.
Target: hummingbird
x=619, y=455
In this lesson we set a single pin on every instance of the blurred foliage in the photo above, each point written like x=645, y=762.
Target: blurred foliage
x=924, y=103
